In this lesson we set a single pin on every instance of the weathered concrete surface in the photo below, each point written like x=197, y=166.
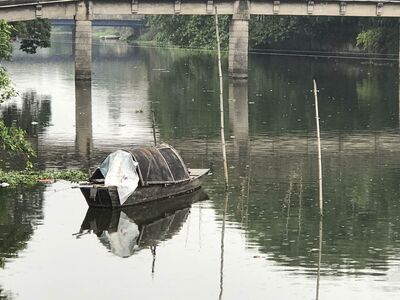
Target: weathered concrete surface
x=239, y=40
x=83, y=50
x=17, y=10
x=22, y=12
x=83, y=41
x=238, y=48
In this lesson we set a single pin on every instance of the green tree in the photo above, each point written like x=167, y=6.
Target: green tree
x=6, y=88
x=32, y=34
x=12, y=139
x=291, y=32
x=378, y=35
x=187, y=31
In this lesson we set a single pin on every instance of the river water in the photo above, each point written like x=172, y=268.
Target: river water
x=261, y=240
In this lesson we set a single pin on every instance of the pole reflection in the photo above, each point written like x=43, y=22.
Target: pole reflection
x=319, y=258
x=221, y=270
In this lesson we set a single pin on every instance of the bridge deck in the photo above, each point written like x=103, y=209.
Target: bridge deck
x=16, y=10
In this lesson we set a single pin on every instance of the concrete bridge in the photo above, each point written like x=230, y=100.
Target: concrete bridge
x=101, y=23
x=84, y=12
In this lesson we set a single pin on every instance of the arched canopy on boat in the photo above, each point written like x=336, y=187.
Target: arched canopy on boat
x=159, y=165
x=156, y=165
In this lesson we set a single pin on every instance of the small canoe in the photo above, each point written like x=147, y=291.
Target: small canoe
x=141, y=175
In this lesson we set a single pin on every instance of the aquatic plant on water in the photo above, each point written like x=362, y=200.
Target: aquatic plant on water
x=31, y=178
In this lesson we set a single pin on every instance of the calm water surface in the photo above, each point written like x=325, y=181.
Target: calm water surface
x=259, y=241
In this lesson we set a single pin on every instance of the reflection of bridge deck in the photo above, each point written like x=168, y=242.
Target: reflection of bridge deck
x=379, y=144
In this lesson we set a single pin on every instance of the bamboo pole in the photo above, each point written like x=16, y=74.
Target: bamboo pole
x=319, y=149
x=153, y=121
x=221, y=100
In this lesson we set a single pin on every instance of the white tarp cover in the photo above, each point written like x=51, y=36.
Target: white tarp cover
x=123, y=242
x=119, y=169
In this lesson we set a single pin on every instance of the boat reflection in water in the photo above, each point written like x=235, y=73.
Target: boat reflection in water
x=127, y=230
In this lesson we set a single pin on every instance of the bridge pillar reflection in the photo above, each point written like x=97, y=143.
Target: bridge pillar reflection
x=239, y=113
x=239, y=40
x=83, y=119
x=239, y=124
x=83, y=41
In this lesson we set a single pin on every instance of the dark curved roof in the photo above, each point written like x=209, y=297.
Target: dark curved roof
x=159, y=164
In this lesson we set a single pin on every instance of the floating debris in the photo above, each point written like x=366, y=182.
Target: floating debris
x=45, y=180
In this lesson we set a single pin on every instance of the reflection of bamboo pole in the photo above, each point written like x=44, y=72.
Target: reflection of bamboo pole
x=300, y=199
x=319, y=258
x=319, y=150
x=287, y=202
x=221, y=100
x=221, y=270
x=153, y=264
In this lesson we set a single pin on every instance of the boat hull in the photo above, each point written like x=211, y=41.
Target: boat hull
x=107, y=197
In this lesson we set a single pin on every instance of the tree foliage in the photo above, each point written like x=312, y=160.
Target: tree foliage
x=6, y=88
x=187, y=31
x=12, y=139
x=279, y=32
x=301, y=33
x=32, y=34
x=14, y=143
x=5, y=40
x=379, y=35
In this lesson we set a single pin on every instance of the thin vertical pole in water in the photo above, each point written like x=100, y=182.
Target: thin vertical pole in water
x=319, y=149
x=153, y=264
x=153, y=121
x=221, y=100
x=399, y=73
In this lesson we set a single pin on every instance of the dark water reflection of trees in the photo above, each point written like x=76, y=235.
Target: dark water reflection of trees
x=20, y=213
x=273, y=175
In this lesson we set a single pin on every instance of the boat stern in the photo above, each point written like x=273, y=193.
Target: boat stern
x=100, y=196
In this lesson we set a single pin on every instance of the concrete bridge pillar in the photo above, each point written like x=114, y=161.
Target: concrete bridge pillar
x=83, y=41
x=239, y=40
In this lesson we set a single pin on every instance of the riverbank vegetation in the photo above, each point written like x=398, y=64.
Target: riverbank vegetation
x=375, y=35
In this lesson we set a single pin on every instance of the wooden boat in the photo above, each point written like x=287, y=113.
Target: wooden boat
x=161, y=174
x=130, y=229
